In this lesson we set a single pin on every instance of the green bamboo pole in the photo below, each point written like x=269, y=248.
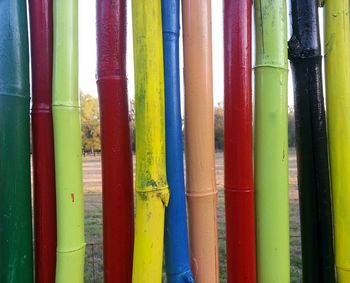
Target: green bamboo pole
x=271, y=142
x=337, y=43
x=16, y=255
x=152, y=192
x=66, y=120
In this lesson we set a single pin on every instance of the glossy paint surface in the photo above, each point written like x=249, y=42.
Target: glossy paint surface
x=16, y=255
x=152, y=194
x=239, y=191
x=199, y=134
x=271, y=142
x=67, y=139
x=117, y=177
x=42, y=140
x=312, y=149
x=176, y=236
x=337, y=58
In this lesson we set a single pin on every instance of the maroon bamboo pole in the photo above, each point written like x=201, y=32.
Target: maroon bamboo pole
x=239, y=191
x=42, y=140
x=118, y=213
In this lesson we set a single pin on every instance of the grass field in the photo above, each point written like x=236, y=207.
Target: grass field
x=93, y=219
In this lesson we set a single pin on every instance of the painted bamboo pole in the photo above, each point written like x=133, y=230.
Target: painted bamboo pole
x=312, y=150
x=16, y=252
x=337, y=53
x=117, y=176
x=177, y=256
x=199, y=133
x=67, y=139
x=271, y=142
x=152, y=193
x=238, y=156
x=42, y=140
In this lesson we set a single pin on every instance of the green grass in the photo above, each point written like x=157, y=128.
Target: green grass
x=93, y=223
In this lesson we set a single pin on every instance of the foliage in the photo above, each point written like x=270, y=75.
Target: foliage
x=132, y=124
x=219, y=126
x=90, y=123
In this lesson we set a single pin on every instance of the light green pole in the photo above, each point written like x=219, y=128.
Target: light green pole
x=67, y=139
x=271, y=142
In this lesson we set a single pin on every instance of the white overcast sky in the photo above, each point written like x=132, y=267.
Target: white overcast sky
x=87, y=50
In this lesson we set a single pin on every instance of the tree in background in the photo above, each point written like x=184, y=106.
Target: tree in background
x=291, y=127
x=90, y=123
x=219, y=126
x=218, y=119
x=132, y=125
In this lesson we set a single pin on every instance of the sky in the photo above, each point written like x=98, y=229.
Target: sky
x=87, y=51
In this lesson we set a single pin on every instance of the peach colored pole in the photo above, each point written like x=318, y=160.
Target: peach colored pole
x=199, y=132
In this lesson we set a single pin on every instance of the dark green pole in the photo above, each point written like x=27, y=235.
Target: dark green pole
x=16, y=256
x=312, y=150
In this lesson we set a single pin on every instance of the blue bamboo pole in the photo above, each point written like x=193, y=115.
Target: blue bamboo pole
x=176, y=237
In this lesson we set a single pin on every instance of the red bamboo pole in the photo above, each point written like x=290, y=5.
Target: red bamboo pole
x=42, y=135
x=118, y=208
x=239, y=192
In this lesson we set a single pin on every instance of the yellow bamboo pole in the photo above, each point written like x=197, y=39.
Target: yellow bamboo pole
x=152, y=192
x=199, y=127
x=337, y=37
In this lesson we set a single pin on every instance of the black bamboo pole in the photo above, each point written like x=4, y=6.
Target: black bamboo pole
x=312, y=152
